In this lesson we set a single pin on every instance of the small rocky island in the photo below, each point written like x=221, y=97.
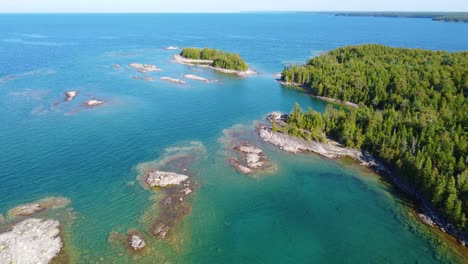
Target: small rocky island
x=215, y=59
x=70, y=95
x=93, y=103
x=251, y=159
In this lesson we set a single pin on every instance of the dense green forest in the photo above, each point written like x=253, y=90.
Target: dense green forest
x=413, y=114
x=224, y=60
x=436, y=16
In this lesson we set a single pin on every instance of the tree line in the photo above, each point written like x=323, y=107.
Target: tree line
x=224, y=60
x=413, y=114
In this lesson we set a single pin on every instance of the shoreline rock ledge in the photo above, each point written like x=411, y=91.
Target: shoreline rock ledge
x=164, y=179
x=31, y=241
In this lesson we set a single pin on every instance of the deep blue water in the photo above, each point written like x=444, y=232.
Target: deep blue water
x=310, y=210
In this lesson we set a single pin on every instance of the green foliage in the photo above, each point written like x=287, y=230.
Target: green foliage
x=191, y=53
x=224, y=60
x=413, y=114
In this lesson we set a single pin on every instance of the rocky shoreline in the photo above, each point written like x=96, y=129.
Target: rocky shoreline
x=206, y=63
x=333, y=150
x=28, y=235
x=31, y=241
x=324, y=98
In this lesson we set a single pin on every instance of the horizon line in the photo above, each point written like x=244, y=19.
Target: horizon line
x=238, y=12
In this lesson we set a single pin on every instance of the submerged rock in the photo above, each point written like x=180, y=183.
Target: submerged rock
x=39, y=206
x=137, y=243
x=173, y=80
x=144, y=68
x=163, y=179
x=195, y=77
x=239, y=167
x=116, y=66
x=2, y=218
x=71, y=95
x=26, y=209
x=144, y=78
x=160, y=229
x=31, y=241
x=93, y=102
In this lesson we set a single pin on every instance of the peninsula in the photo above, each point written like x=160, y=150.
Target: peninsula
x=435, y=16
x=216, y=59
x=412, y=116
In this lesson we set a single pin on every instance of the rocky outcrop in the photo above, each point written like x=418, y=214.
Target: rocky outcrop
x=93, y=102
x=70, y=95
x=197, y=78
x=252, y=159
x=136, y=242
x=173, y=80
x=144, y=68
x=427, y=220
x=164, y=179
x=31, y=241
x=278, y=118
x=288, y=143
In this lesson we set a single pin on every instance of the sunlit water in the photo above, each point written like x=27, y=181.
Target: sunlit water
x=309, y=210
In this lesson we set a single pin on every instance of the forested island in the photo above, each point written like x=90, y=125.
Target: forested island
x=436, y=16
x=412, y=115
x=215, y=58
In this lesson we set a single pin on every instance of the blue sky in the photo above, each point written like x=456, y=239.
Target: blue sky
x=228, y=6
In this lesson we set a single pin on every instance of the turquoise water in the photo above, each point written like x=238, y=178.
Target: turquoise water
x=310, y=210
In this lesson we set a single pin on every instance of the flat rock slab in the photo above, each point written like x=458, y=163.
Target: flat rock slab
x=164, y=179
x=31, y=241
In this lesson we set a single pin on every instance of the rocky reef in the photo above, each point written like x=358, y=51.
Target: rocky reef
x=143, y=78
x=175, y=181
x=31, y=241
x=144, y=68
x=197, y=78
x=173, y=80
x=38, y=206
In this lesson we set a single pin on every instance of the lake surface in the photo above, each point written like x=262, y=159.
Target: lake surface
x=310, y=210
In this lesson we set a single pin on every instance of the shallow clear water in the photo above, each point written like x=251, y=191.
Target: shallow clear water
x=310, y=210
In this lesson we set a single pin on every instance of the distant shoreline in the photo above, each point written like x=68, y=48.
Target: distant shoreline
x=460, y=17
